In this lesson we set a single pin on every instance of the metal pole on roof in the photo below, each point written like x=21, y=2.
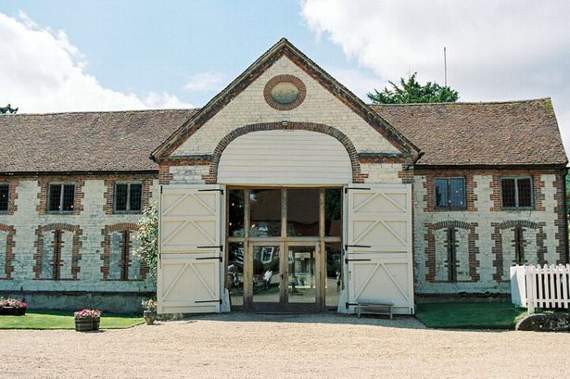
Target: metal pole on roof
x=445, y=65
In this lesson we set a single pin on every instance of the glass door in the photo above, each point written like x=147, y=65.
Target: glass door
x=267, y=275
x=302, y=282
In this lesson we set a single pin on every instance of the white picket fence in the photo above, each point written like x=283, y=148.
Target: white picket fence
x=544, y=287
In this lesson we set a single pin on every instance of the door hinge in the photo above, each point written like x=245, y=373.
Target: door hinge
x=219, y=301
x=346, y=260
x=220, y=190
x=221, y=247
x=208, y=258
x=360, y=246
x=356, y=188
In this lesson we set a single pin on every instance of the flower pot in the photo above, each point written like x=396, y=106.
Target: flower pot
x=149, y=317
x=11, y=311
x=86, y=324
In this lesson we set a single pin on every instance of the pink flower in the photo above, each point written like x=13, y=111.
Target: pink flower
x=87, y=313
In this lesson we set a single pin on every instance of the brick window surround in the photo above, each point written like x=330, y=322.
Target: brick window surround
x=58, y=229
x=12, y=194
x=124, y=229
x=8, y=251
x=430, y=252
x=44, y=182
x=537, y=186
x=497, y=249
x=429, y=185
x=109, y=194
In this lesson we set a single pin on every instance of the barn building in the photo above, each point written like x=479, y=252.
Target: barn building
x=285, y=192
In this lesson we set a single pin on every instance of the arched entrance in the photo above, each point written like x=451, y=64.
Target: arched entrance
x=284, y=219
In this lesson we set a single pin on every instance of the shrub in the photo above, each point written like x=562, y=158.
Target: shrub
x=149, y=305
x=148, y=237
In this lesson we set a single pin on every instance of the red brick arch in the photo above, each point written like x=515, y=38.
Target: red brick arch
x=357, y=176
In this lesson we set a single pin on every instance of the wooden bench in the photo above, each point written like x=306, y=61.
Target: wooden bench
x=375, y=308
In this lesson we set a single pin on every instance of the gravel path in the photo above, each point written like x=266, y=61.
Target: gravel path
x=241, y=345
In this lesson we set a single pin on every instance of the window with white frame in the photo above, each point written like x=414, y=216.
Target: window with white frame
x=61, y=197
x=516, y=192
x=127, y=197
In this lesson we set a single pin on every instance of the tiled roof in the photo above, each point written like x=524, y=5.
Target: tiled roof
x=85, y=141
x=502, y=133
x=497, y=133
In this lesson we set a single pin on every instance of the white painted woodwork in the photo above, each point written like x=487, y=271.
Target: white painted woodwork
x=546, y=287
x=285, y=157
x=379, y=246
x=191, y=233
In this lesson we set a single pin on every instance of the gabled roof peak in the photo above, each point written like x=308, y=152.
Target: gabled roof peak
x=284, y=47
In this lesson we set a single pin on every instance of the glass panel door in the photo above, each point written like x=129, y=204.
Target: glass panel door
x=302, y=274
x=267, y=274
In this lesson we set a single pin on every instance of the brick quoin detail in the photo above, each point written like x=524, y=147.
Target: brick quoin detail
x=537, y=186
x=110, y=189
x=497, y=250
x=43, y=183
x=561, y=221
x=8, y=251
x=12, y=194
x=429, y=185
x=473, y=250
x=106, y=245
x=75, y=252
x=357, y=175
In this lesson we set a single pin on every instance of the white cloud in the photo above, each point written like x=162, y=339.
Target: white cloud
x=509, y=49
x=204, y=81
x=41, y=71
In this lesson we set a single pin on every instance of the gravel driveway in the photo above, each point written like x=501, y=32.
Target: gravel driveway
x=241, y=345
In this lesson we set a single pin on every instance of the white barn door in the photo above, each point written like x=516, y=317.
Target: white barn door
x=378, y=247
x=191, y=249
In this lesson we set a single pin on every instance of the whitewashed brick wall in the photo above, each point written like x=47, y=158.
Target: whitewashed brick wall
x=484, y=217
x=92, y=220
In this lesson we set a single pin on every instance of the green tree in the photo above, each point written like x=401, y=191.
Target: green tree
x=411, y=91
x=147, y=234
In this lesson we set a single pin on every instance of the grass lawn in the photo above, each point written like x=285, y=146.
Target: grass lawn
x=466, y=315
x=64, y=320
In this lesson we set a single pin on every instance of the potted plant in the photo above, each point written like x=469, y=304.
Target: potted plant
x=87, y=320
x=12, y=307
x=149, y=312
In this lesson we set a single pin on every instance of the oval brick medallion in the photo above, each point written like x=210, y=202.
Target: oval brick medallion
x=284, y=92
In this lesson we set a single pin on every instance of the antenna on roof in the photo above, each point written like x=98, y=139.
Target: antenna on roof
x=445, y=65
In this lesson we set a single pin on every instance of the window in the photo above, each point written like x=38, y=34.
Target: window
x=128, y=197
x=451, y=255
x=450, y=193
x=519, y=245
x=61, y=197
x=516, y=192
x=4, y=197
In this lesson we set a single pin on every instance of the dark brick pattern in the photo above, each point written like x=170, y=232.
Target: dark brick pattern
x=473, y=250
x=107, y=231
x=109, y=194
x=8, y=252
x=75, y=252
x=44, y=182
x=497, y=250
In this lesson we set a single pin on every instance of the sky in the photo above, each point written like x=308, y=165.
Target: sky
x=111, y=55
